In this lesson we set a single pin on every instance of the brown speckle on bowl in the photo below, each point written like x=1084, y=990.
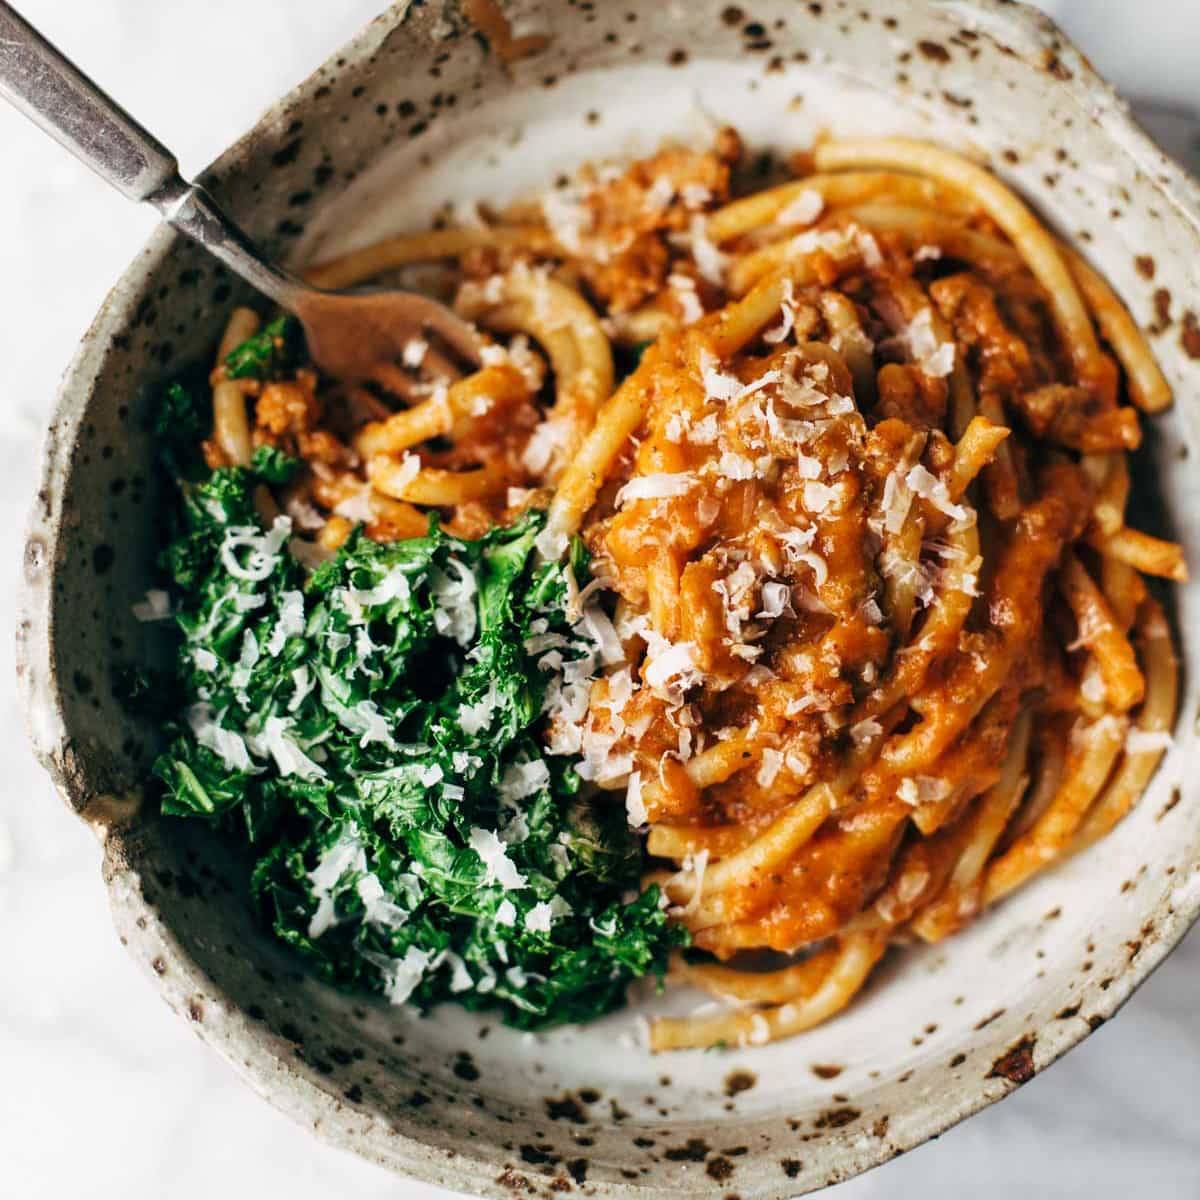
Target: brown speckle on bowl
x=565, y=1108
x=464, y=1067
x=1172, y=800
x=693, y=1150
x=984, y=1022
x=1189, y=337
x=836, y=1118
x=739, y=1081
x=1016, y=1063
x=719, y=1168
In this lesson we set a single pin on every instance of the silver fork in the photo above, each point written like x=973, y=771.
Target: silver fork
x=346, y=332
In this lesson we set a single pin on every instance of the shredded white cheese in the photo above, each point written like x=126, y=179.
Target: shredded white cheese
x=1144, y=741
x=568, y=217
x=357, y=507
x=413, y=354
x=803, y=210
x=710, y=262
x=290, y=623
x=521, y=780
x=864, y=731
x=453, y=590
x=929, y=487
x=635, y=806
x=499, y=867
x=542, y=915
x=659, y=486
x=262, y=549
x=228, y=746
x=935, y=358
x=401, y=976
x=769, y=767
x=547, y=444
x=346, y=854
x=684, y=289
x=155, y=607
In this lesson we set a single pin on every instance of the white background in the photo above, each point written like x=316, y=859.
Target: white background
x=103, y=1092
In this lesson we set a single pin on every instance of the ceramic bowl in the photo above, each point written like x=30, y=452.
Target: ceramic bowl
x=416, y=112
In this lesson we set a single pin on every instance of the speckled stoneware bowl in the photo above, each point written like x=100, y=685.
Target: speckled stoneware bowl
x=414, y=113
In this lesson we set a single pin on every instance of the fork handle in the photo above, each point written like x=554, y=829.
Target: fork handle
x=57, y=97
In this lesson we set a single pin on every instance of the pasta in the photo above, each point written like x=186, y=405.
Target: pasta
x=882, y=649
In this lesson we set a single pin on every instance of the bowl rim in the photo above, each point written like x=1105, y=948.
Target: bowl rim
x=256, y=1056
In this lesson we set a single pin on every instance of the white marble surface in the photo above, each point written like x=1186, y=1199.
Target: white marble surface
x=103, y=1092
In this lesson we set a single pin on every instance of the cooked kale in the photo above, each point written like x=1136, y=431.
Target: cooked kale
x=178, y=429
x=272, y=465
x=372, y=731
x=269, y=352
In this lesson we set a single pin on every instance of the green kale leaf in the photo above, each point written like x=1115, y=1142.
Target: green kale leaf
x=376, y=731
x=267, y=353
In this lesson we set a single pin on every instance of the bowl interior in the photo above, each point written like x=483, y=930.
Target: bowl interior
x=417, y=115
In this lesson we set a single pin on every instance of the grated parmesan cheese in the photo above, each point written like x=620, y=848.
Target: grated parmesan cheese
x=787, y=321
x=818, y=496
x=453, y=591
x=1146, y=741
x=346, y=854
x=543, y=914
x=290, y=623
x=521, y=780
x=410, y=468
x=546, y=444
x=670, y=667
x=498, y=866
x=155, y=607
x=262, y=549
x=277, y=741
x=635, y=806
x=568, y=217
x=864, y=731
x=205, y=659
x=477, y=716
x=935, y=358
x=769, y=767
x=357, y=507
x=415, y=349
x=929, y=487
x=735, y=466
x=228, y=746
x=401, y=976
x=710, y=262
x=659, y=194
x=803, y=210
x=684, y=289
x=377, y=908
x=460, y=978
x=659, y=486
x=776, y=599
